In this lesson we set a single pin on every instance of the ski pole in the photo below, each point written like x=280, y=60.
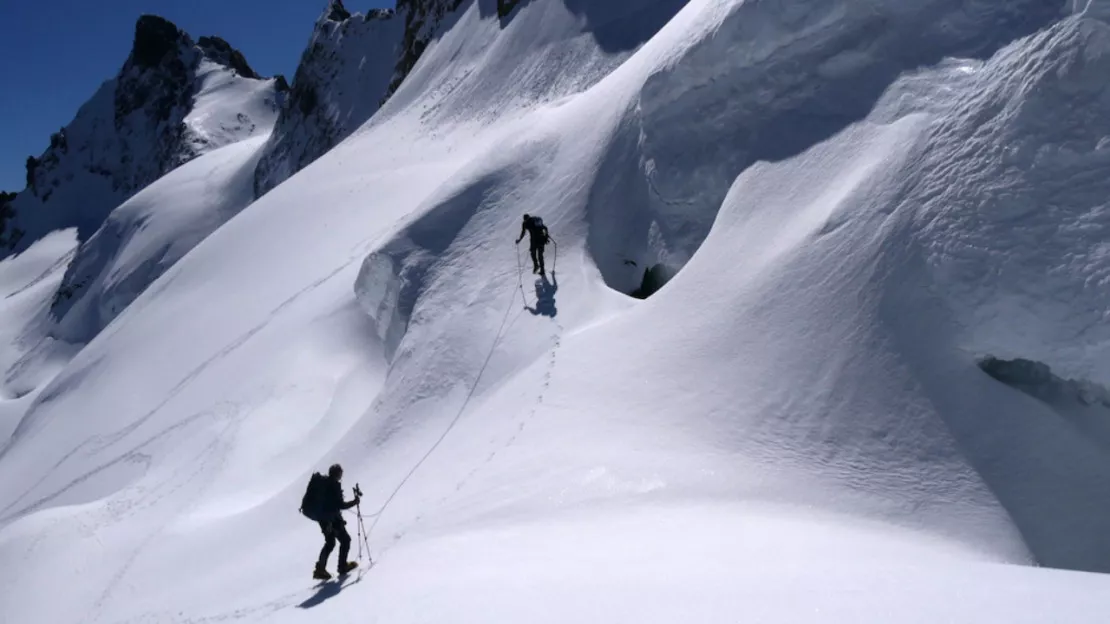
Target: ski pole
x=361, y=528
x=520, y=275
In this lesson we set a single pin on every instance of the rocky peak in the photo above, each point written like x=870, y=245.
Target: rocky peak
x=156, y=74
x=136, y=128
x=422, y=20
x=336, y=12
x=155, y=39
x=219, y=51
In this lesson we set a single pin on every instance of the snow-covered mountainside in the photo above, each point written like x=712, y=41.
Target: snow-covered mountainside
x=173, y=100
x=353, y=63
x=882, y=223
x=342, y=78
x=29, y=355
x=149, y=233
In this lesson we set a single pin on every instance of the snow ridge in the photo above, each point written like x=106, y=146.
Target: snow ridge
x=340, y=82
x=859, y=201
x=353, y=64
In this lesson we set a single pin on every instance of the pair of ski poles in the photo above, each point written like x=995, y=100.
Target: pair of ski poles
x=362, y=537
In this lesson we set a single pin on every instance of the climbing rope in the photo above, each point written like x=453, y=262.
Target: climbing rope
x=520, y=276
x=454, y=421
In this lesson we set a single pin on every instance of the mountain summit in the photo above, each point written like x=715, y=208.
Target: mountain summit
x=870, y=381
x=173, y=100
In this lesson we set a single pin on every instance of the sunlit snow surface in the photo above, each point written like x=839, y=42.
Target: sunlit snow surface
x=794, y=429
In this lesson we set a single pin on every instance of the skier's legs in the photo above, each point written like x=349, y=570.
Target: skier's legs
x=537, y=256
x=344, y=538
x=329, y=545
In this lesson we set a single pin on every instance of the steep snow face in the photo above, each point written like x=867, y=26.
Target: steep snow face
x=1017, y=248
x=795, y=424
x=770, y=84
x=172, y=101
x=29, y=356
x=833, y=194
x=151, y=231
x=355, y=63
x=341, y=81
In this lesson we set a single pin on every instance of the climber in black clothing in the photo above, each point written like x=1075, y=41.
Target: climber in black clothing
x=538, y=238
x=333, y=525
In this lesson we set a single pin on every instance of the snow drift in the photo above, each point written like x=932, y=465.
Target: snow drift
x=796, y=423
x=149, y=233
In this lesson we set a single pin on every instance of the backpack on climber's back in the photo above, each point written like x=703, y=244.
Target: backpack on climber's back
x=540, y=230
x=312, y=501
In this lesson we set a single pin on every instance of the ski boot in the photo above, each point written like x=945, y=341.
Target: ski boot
x=344, y=568
x=320, y=573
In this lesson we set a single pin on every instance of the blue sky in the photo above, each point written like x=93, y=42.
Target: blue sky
x=55, y=54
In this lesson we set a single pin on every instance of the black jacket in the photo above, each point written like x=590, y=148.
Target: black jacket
x=538, y=235
x=332, y=504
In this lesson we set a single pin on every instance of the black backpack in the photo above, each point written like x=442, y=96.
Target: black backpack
x=311, y=502
x=537, y=227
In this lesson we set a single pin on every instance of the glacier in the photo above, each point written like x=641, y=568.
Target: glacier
x=855, y=205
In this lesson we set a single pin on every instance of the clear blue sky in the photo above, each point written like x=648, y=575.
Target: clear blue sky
x=54, y=54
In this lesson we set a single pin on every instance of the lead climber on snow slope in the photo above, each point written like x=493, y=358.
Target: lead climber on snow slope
x=323, y=502
x=538, y=238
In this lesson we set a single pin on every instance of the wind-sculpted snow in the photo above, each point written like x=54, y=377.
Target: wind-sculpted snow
x=796, y=424
x=767, y=85
x=454, y=223
x=1015, y=204
x=28, y=356
x=149, y=233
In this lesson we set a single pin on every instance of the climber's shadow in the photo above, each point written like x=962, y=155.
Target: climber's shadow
x=545, y=296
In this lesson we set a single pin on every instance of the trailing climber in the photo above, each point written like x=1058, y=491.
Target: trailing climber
x=538, y=238
x=323, y=502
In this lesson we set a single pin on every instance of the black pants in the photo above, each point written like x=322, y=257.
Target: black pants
x=536, y=251
x=333, y=531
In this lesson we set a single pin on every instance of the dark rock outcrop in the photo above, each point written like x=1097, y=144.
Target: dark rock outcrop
x=221, y=51
x=505, y=7
x=422, y=20
x=155, y=38
x=337, y=12
x=8, y=235
x=655, y=277
x=1037, y=380
x=342, y=76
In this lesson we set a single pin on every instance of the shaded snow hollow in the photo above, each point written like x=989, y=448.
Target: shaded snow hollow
x=858, y=203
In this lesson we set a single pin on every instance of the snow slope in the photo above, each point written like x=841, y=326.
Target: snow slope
x=795, y=428
x=151, y=231
x=30, y=356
